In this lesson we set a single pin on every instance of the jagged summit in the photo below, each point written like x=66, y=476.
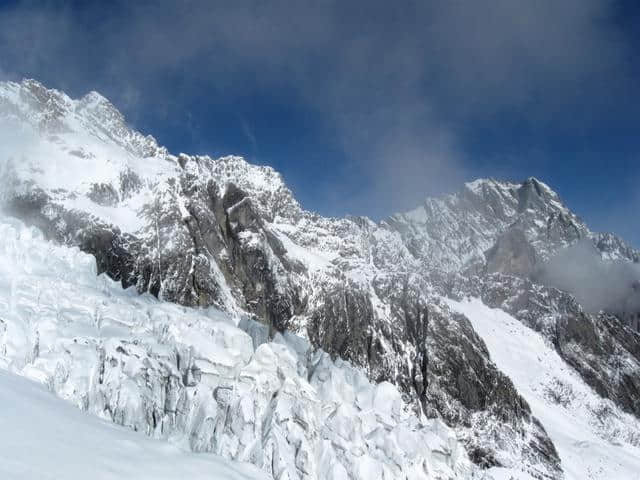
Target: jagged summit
x=54, y=113
x=96, y=99
x=456, y=232
x=205, y=232
x=479, y=185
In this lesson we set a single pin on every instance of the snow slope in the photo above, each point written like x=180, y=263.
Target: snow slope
x=595, y=440
x=44, y=438
x=86, y=143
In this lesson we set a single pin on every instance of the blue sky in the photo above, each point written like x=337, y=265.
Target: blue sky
x=365, y=107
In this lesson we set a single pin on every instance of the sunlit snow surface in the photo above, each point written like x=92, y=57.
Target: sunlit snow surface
x=44, y=438
x=85, y=142
x=193, y=378
x=591, y=445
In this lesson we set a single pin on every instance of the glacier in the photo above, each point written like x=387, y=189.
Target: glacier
x=193, y=377
x=45, y=438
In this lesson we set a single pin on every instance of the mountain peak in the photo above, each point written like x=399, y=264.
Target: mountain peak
x=97, y=104
x=92, y=119
x=40, y=90
x=484, y=208
x=479, y=184
x=95, y=98
x=224, y=233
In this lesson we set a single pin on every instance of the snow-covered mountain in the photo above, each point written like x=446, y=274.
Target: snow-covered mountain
x=221, y=233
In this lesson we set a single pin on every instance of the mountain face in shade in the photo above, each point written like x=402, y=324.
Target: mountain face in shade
x=222, y=233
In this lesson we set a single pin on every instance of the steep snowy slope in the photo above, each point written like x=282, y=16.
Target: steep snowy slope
x=193, y=377
x=595, y=439
x=600, y=347
x=44, y=438
x=220, y=232
x=87, y=146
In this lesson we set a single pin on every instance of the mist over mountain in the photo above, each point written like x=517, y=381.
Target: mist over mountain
x=597, y=283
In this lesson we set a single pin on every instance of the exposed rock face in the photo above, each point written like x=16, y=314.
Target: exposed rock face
x=511, y=254
x=220, y=232
x=436, y=358
x=612, y=247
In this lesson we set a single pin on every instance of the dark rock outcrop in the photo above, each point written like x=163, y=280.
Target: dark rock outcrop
x=511, y=254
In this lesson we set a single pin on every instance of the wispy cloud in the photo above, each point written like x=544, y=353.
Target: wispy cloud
x=596, y=284
x=248, y=132
x=399, y=83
